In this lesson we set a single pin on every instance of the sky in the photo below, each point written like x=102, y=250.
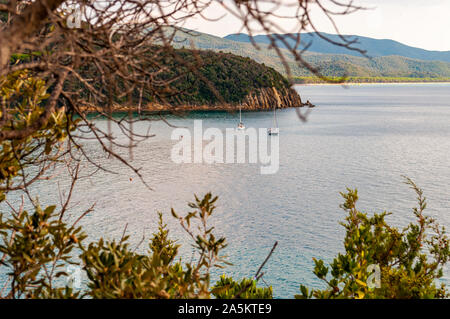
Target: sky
x=419, y=23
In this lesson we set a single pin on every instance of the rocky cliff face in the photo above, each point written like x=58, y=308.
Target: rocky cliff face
x=269, y=98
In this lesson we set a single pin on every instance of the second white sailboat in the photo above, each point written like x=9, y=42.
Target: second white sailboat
x=274, y=130
x=241, y=125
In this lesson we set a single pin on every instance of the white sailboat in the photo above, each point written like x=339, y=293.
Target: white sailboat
x=241, y=125
x=274, y=130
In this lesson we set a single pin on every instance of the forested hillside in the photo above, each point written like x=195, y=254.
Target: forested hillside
x=199, y=79
x=219, y=77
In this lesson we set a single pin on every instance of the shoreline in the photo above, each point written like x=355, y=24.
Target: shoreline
x=262, y=99
x=367, y=83
x=354, y=80
x=163, y=110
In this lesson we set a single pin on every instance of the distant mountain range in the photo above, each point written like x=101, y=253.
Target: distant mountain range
x=374, y=47
x=390, y=58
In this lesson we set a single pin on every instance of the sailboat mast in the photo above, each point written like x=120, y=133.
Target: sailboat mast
x=275, y=116
x=240, y=116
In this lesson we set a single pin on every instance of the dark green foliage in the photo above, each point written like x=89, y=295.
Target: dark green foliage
x=227, y=288
x=35, y=248
x=217, y=78
x=116, y=271
x=26, y=96
x=410, y=259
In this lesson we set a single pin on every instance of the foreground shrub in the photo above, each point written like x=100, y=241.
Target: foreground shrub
x=409, y=260
x=38, y=247
x=227, y=288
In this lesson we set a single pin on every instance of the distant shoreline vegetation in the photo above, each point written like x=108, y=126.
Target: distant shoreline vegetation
x=368, y=79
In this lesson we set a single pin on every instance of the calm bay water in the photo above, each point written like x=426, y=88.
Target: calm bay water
x=362, y=137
